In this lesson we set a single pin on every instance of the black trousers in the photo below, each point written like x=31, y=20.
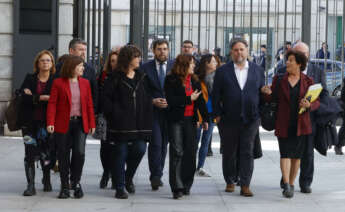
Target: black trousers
x=182, y=154
x=74, y=140
x=106, y=152
x=307, y=162
x=238, y=158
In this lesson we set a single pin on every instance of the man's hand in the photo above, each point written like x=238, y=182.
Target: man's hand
x=266, y=90
x=160, y=103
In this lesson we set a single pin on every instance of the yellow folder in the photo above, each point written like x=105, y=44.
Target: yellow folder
x=312, y=94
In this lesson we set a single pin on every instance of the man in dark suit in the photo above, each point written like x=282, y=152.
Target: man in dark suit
x=78, y=47
x=156, y=71
x=307, y=160
x=236, y=98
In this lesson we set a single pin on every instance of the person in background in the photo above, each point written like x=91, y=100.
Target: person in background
x=187, y=47
x=32, y=117
x=70, y=116
x=206, y=73
x=107, y=146
x=182, y=90
x=323, y=53
x=292, y=127
x=128, y=111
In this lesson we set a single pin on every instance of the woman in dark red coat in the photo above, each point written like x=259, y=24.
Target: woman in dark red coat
x=291, y=127
x=70, y=115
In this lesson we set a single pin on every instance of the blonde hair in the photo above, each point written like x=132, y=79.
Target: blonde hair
x=37, y=58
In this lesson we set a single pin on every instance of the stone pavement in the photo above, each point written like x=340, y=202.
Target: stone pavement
x=207, y=194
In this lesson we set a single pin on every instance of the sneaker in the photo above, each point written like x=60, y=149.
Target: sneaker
x=202, y=173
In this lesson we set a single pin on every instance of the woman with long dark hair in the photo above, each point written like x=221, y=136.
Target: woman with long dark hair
x=71, y=116
x=128, y=110
x=182, y=89
x=35, y=90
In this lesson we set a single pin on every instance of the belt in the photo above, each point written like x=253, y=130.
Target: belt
x=74, y=117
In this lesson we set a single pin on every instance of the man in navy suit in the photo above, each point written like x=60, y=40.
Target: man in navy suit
x=156, y=71
x=236, y=98
x=307, y=160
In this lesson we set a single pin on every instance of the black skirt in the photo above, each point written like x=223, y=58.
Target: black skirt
x=292, y=146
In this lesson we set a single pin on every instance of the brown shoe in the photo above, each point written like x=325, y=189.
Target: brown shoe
x=245, y=191
x=230, y=188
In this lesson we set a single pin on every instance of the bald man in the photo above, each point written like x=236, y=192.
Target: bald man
x=307, y=160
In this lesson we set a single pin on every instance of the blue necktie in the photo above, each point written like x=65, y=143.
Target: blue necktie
x=161, y=74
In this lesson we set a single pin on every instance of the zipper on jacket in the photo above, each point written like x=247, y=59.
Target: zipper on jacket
x=134, y=95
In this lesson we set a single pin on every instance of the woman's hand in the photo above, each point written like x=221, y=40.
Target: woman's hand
x=92, y=131
x=195, y=95
x=50, y=129
x=27, y=91
x=304, y=103
x=44, y=97
x=205, y=126
x=266, y=90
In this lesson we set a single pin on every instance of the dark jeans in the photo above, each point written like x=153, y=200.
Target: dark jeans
x=128, y=155
x=105, y=152
x=205, y=141
x=74, y=140
x=238, y=139
x=182, y=154
x=158, y=146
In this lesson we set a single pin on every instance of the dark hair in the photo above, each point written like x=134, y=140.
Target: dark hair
x=62, y=58
x=188, y=41
x=76, y=41
x=288, y=43
x=107, y=66
x=159, y=42
x=69, y=65
x=300, y=58
x=263, y=46
x=126, y=55
x=205, y=59
x=181, y=67
x=236, y=41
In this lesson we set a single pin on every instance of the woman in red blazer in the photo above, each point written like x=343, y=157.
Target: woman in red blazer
x=70, y=115
x=291, y=127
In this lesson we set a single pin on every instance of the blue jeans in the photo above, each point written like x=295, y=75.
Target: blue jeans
x=205, y=141
x=127, y=153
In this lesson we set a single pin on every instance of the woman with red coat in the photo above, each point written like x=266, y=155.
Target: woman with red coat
x=291, y=127
x=70, y=115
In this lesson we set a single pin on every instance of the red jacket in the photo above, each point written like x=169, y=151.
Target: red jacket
x=59, y=105
x=283, y=113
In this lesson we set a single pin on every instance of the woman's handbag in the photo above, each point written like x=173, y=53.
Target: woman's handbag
x=269, y=109
x=101, y=128
x=12, y=112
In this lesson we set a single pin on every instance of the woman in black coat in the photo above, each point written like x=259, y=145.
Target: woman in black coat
x=182, y=90
x=35, y=92
x=128, y=110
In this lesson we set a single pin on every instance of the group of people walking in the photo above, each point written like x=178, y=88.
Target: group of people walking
x=161, y=102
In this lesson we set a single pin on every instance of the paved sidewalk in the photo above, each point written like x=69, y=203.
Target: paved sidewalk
x=207, y=194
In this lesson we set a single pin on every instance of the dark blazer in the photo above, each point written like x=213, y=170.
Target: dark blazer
x=89, y=74
x=30, y=102
x=128, y=109
x=234, y=105
x=304, y=126
x=59, y=105
x=177, y=99
x=151, y=71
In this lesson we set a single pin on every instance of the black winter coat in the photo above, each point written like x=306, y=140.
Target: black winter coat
x=128, y=109
x=30, y=102
x=177, y=99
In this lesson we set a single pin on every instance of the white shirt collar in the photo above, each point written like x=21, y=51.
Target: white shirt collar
x=305, y=70
x=246, y=66
x=158, y=63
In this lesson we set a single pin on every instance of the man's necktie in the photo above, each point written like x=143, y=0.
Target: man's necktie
x=161, y=74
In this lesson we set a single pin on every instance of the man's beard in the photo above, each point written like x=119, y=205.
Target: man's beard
x=159, y=59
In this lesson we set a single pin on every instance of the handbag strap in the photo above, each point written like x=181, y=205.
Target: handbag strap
x=275, y=92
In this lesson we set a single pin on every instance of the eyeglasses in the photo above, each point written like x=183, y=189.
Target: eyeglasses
x=45, y=60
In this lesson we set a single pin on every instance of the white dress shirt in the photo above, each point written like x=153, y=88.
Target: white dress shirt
x=305, y=70
x=165, y=63
x=241, y=74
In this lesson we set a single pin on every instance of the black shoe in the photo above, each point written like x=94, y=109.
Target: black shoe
x=177, y=195
x=288, y=190
x=155, y=184
x=30, y=178
x=186, y=192
x=30, y=190
x=78, y=191
x=306, y=189
x=104, y=180
x=47, y=186
x=121, y=194
x=282, y=183
x=130, y=186
x=64, y=193
x=338, y=150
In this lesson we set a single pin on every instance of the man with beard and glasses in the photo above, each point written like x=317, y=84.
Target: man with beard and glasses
x=156, y=71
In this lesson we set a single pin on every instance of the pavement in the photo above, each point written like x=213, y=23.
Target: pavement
x=207, y=194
